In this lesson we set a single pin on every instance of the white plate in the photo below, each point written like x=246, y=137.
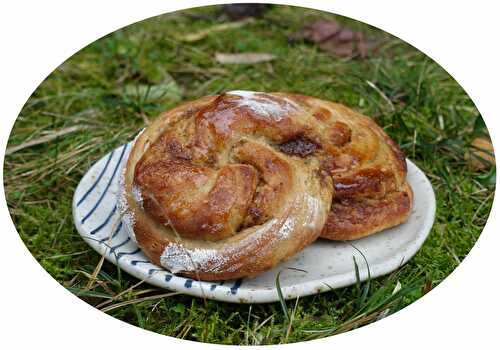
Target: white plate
x=327, y=264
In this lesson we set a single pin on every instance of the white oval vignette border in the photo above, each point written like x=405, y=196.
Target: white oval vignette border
x=38, y=36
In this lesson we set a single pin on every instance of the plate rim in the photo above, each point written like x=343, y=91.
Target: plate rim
x=203, y=289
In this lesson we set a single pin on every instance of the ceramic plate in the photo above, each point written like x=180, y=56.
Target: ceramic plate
x=319, y=267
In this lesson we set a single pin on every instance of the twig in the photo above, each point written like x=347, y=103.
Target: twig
x=217, y=28
x=45, y=139
x=243, y=58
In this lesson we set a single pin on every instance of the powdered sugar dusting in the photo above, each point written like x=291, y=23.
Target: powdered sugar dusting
x=263, y=105
x=127, y=216
x=137, y=194
x=177, y=258
x=128, y=220
x=287, y=228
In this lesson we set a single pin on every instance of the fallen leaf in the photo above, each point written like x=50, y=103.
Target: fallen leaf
x=480, y=155
x=243, y=58
x=196, y=36
x=150, y=93
x=320, y=31
x=54, y=134
x=146, y=93
x=332, y=37
x=239, y=11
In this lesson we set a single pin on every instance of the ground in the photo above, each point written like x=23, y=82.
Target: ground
x=117, y=84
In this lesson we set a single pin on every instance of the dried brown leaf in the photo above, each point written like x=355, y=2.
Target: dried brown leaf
x=339, y=49
x=340, y=41
x=480, y=155
x=239, y=11
x=243, y=58
x=316, y=32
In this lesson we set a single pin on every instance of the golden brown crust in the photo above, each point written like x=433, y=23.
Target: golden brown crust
x=219, y=198
x=233, y=184
x=369, y=173
x=368, y=170
x=353, y=218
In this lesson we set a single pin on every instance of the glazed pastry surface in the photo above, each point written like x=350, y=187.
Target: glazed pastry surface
x=230, y=185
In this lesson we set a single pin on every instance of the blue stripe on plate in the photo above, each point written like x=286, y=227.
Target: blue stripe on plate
x=120, y=254
x=236, y=286
x=213, y=286
x=188, y=283
x=82, y=199
x=89, y=214
x=135, y=262
x=112, y=250
x=151, y=271
x=98, y=228
x=114, y=233
x=168, y=277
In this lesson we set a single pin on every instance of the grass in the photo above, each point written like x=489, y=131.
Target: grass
x=114, y=86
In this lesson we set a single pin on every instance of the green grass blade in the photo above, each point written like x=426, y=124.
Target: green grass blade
x=284, y=308
x=88, y=293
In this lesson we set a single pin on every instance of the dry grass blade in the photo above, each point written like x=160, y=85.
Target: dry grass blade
x=356, y=323
x=120, y=294
x=292, y=316
x=481, y=205
x=243, y=58
x=381, y=93
x=248, y=325
x=215, y=29
x=185, y=331
x=44, y=139
x=93, y=278
x=139, y=300
x=35, y=168
x=57, y=256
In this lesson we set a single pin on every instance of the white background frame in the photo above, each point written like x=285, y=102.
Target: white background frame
x=37, y=36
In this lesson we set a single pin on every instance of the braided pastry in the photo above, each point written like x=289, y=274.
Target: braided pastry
x=230, y=185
